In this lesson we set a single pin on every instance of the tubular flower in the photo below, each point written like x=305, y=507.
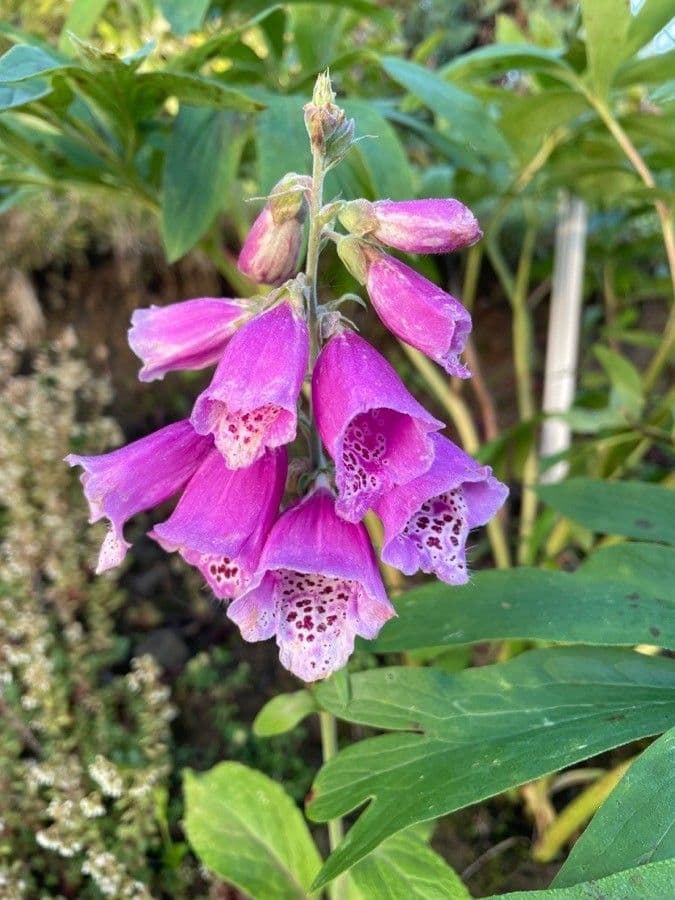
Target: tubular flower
x=427, y=521
x=187, y=335
x=251, y=403
x=374, y=429
x=271, y=252
x=143, y=474
x=223, y=518
x=317, y=587
x=415, y=226
x=415, y=309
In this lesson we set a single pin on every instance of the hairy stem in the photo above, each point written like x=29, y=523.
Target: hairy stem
x=311, y=273
x=337, y=889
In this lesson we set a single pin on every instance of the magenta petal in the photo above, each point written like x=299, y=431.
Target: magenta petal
x=120, y=484
x=426, y=522
x=425, y=226
x=373, y=428
x=419, y=312
x=223, y=517
x=251, y=403
x=318, y=582
x=187, y=335
x=271, y=251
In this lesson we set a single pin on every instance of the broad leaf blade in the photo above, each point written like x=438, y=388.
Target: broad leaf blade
x=468, y=122
x=382, y=152
x=246, y=829
x=282, y=144
x=184, y=15
x=630, y=508
x=635, y=825
x=621, y=596
x=606, y=23
x=201, y=162
x=404, y=867
x=651, y=882
x=283, y=712
x=479, y=733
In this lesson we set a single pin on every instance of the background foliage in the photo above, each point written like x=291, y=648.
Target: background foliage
x=135, y=134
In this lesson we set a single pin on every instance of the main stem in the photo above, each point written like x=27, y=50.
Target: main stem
x=337, y=888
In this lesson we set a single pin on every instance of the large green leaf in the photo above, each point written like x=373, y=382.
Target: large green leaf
x=495, y=58
x=404, y=867
x=155, y=87
x=12, y=95
x=382, y=152
x=26, y=61
x=283, y=712
x=622, y=596
x=651, y=882
x=80, y=21
x=201, y=162
x=245, y=828
x=652, y=16
x=281, y=140
x=184, y=15
x=635, y=825
x=472, y=735
x=468, y=121
x=631, y=508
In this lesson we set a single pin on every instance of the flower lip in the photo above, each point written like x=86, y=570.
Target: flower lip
x=374, y=429
x=426, y=522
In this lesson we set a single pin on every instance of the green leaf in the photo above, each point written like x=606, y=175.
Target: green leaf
x=650, y=882
x=201, y=162
x=476, y=734
x=184, y=15
x=631, y=508
x=635, y=825
x=245, y=828
x=467, y=119
x=20, y=94
x=382, y=152
x=405, y=868
x=643, y=27
x=606, y=23
x=281, y=140
x=81, y=20
x=282, y=713
x=622, y=596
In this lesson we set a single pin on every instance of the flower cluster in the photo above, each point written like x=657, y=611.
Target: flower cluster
x=308, y=575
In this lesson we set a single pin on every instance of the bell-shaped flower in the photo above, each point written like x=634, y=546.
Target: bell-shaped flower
x=271, y=252
x=415, y=226
x=374, y=429
x=223, y=518
x=143, y=474
x=251, y=403
x=187, y=335
x=427, y=521
x=317, y=587
x=415, y=309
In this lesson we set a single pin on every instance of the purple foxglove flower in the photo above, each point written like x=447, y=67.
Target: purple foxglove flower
x=416, y=226
x=271, y=251
x=317, y=587
x=426, y=522
x=419, y=312
x=187, y=335
x=374, y=429
x=223, y=518
x=251, y=403
x=147, y=472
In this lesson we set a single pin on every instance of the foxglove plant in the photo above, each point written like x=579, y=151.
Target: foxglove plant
x=307, y=575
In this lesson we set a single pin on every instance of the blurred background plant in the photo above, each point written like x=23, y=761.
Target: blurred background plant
x=133, y=137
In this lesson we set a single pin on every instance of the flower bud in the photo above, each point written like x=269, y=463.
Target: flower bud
x=356, y=256
x=329, y=130
x=271, y=252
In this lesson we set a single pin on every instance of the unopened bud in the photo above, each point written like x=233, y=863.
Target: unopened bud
x=287, y=198
x=327, y=126
x=356, y=256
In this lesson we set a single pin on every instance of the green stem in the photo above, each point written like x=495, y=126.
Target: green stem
x=337, y=889
x=311, y=273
